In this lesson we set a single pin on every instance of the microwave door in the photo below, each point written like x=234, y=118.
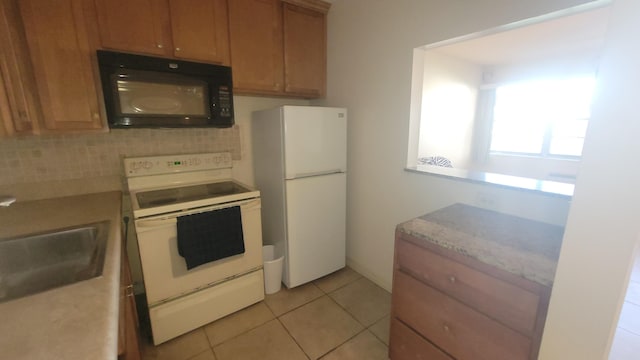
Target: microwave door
x=154, y=98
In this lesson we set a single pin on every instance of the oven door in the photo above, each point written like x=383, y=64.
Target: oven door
x=165, y=272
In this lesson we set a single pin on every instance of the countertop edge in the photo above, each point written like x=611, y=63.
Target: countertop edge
x=529, y=264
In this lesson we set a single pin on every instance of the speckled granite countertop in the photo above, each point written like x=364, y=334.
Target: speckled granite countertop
x=522, y=247
x=78, y=321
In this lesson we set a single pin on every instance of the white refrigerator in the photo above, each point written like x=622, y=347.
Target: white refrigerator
x=300, y=165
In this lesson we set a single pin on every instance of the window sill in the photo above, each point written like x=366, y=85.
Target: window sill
x=543, y=187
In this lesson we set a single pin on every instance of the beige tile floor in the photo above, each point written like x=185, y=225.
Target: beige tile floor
x=342, y=316
x=626, y=342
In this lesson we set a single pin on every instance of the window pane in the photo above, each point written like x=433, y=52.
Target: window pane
x=526, y=113
x=518, y=122
x=566, y=146
x=567, y=137
x=521, y=137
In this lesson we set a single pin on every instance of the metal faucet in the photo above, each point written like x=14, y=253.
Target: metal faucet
x=7, y=200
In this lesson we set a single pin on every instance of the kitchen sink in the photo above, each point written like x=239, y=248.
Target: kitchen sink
x=34, y=263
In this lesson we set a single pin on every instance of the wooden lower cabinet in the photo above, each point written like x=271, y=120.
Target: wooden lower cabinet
x=448, y=306
x=128, y=327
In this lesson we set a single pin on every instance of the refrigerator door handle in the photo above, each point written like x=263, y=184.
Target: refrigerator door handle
x=315, y=173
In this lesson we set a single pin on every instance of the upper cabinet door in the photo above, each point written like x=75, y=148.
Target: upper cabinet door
x=255, y=32
x=200, y=30
x=62, y=56
x=133, y=25
x=19, y=107
x=305, y=51
x=6, y=126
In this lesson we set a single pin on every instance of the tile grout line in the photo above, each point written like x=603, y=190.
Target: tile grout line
x=364, y=328
x=293, y=338
x=299, y=306
x=277, y=317
x=198, y=354
x=244, y=332
x=346, y=341
x=353, y=316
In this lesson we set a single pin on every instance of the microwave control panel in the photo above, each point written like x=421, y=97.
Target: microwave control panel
x=224, y=101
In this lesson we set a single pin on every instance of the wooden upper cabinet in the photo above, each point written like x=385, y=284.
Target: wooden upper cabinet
x=63, y=62
x=255, y=35
x=19, y=107
x=133, y=25
x=6, y=125
x=305, y=54
x=279, y=47
x=188, y=29
x=199, y=30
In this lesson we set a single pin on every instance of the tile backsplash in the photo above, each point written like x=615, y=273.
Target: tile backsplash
x=64, y=158
x=38, y=167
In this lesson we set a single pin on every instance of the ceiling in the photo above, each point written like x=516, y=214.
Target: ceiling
x=581, y=33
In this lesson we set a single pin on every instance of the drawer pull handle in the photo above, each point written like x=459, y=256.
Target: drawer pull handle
x=445, y=328
x=452, y=279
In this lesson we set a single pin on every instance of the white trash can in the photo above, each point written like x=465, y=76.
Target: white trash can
x=272, y=269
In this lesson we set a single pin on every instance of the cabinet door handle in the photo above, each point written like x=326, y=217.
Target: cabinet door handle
x=452, y=279
x=159, y=46
x=445, y=327
x=177, y=49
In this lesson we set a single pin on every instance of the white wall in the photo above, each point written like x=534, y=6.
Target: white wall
x=370, y=57
x=449, y=96
x=602, y=230
x=369, y=71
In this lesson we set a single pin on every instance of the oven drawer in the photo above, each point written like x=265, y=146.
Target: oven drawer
x=182, y=315
x=507, y=303
x=458, y=329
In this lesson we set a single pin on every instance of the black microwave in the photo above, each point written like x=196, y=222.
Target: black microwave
x=151, y=92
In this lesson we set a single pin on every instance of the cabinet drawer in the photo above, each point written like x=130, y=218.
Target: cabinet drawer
x=500, y=300
x=454, y=327
x=405, y=344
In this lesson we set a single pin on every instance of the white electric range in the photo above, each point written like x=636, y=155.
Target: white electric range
x=165, y=188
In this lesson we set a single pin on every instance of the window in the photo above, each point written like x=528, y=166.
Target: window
x=527, y=98
x=546, y=118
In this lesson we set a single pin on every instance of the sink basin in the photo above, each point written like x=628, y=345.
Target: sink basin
x=34, y=263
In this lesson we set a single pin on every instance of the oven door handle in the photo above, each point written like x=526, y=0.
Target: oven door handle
x=169, y=220
x=156, y=222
